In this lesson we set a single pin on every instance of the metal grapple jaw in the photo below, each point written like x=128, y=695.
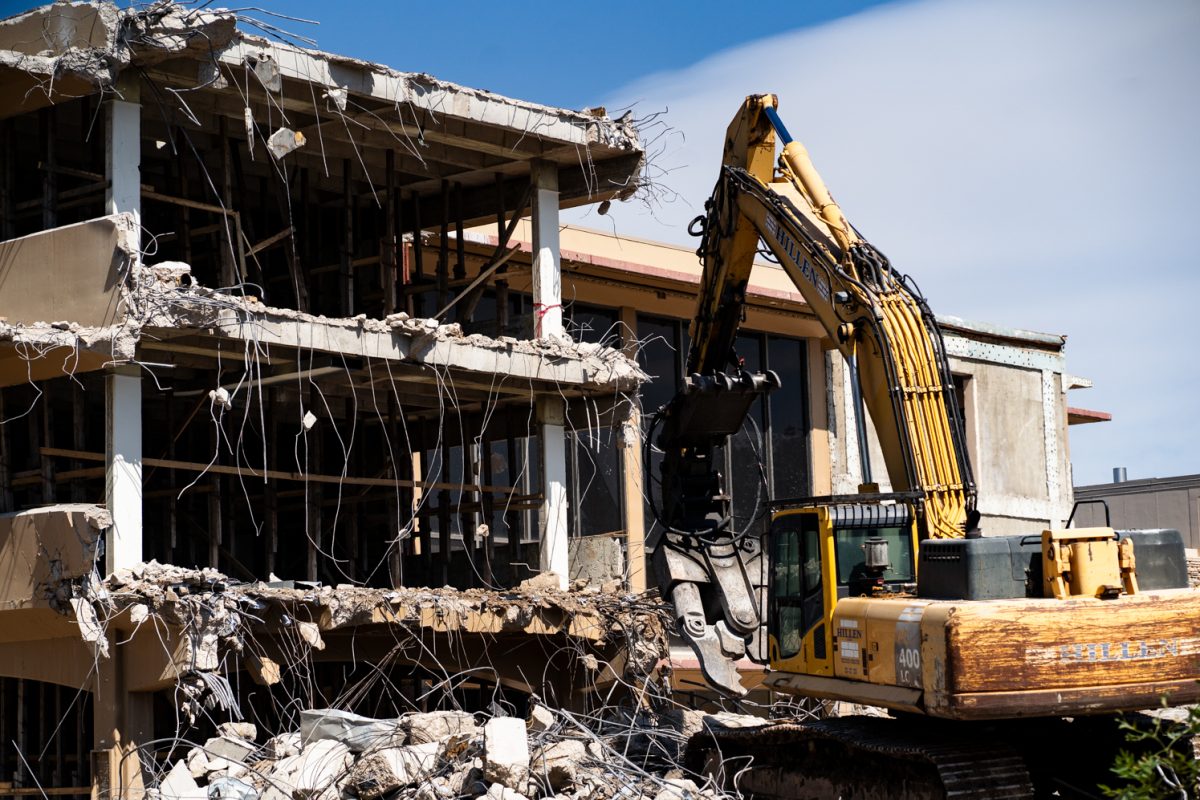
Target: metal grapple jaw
x=714, y=575
x=719, y=593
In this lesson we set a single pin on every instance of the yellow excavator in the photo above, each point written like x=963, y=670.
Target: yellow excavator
x=893, y=600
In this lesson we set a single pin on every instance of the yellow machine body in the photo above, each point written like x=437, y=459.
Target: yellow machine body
x=969, y=659
x=842, y=624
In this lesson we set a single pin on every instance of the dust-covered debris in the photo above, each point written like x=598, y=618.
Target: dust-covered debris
x=478, y=756
x=218, y=620
x=92, y=43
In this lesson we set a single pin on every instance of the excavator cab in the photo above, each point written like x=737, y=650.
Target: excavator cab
x=826, y=551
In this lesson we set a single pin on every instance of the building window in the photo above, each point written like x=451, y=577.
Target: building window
x=585, y=323
x=964, y=393
x=594, y=482
x=769, y=458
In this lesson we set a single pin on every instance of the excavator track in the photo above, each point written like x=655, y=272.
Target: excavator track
x=859, y=757
x=866, y=757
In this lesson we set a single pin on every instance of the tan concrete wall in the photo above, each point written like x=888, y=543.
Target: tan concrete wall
x=44, y=546
x=1016, y=438
x=72, y=273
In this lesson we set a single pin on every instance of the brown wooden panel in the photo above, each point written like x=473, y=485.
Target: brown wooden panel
x=1024, y=645
x=1061, y=702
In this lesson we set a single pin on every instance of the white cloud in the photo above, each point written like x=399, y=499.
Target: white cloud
x=1031, y=163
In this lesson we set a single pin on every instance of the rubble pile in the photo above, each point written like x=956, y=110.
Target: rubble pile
x=440, y=755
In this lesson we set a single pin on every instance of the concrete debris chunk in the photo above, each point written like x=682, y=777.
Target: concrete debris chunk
x=543, y=580
x=228, y=747
x=180, y=785
x=438, y=726
x=541, y=719
x=283, y=745
x=499, y=792
x=311, y=634
x=219, y=397
x=679, y=789
x=197, y=761
x=467, y=780
x=558, y=764
x=284, y=141
x=356, y=732
x=316, y=770
x=268, y=72
x=383, y=771
x=263, y=670
x=246, y=731
x=725, y=720
x=337, y=96
x=506, y=752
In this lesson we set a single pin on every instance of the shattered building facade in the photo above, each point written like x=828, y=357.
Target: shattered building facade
x=288, y=337
x=243, y=336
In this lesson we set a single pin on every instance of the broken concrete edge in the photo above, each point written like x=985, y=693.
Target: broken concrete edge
x=98, y=41
x=165, y=300
x=206, y=623
x=589, y=366
x=94, y=42
x=58, y=544
x=442, y=98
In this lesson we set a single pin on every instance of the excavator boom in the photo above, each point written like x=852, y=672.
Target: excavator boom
x=877, y=320
x=892, y=600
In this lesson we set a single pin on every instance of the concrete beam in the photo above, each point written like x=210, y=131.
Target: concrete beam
x=610, y=179
x=448, y=104
x=123, y=467
x=566, y=366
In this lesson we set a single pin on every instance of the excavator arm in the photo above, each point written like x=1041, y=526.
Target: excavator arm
x=877, y=319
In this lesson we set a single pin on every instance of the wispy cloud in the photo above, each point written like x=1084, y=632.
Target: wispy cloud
x=1032, y=164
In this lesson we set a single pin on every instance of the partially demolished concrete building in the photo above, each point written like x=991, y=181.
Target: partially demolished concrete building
x=242, y=336
x=289, y=337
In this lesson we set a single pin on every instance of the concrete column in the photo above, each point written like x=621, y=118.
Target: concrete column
x=123, y=150
x=632, y=469
x=122, y=720
x=547, y=273
x=123, y=467
x=548, y=322
x=820, y=440
x=553, y=515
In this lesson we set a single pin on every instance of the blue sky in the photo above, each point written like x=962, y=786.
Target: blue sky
x=559, y=52
x=1032, y=163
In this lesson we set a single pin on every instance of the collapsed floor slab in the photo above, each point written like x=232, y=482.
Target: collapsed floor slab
x=135, y=306
x=187, y=628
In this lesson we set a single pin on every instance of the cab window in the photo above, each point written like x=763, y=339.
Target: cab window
x=796, y=598
x=851, y=556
